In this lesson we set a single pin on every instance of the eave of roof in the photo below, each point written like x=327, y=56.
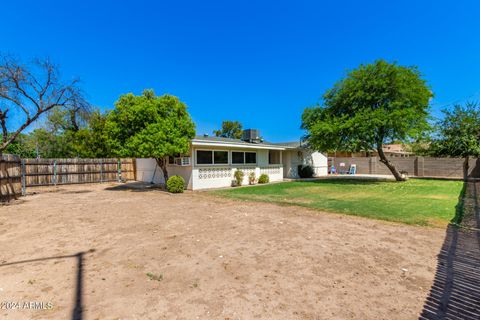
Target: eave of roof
x=225, y=142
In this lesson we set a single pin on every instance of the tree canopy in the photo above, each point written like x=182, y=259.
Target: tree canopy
x=22, y=146
x=58, y=138
x=149, y=126
x=376, y=103
x=458, y=133
x=230, y=129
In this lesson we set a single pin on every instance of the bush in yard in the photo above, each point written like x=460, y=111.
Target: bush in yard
x=305, y=171
x=263, y=178
x=252, y=178
x=238, y=175
x=175, y=184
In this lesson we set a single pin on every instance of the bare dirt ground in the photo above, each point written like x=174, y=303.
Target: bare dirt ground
x=87, y=251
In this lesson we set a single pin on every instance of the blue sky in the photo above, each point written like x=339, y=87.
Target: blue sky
x=259, y=62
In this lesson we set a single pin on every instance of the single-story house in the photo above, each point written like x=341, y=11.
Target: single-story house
x=212, y=161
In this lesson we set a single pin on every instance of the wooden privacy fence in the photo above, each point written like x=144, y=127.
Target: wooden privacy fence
x=45, y=172
x=10, y=177
x=18, y=174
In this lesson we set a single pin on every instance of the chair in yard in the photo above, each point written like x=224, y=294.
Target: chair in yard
x=333, y=170
x=342, y=168
x=353, y=169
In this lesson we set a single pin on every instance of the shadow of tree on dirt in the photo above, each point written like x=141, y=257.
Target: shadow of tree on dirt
x=77, y=312
x=137, y=186
x=455, y=293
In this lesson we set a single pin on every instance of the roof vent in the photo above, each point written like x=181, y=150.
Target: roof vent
x=251, y=135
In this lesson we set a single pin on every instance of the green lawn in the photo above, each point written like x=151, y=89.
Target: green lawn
x=417, y=201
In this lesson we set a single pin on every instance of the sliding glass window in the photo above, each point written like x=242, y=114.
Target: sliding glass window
x=244, y=157
x=212, y=157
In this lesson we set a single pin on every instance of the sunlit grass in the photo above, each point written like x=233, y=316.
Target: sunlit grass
x=417, y=201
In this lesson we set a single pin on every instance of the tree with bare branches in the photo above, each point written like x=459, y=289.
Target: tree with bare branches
x=29, y=90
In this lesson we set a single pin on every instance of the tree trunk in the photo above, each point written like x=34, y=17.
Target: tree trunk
x=465, y=168
x=162, y=163
x=73, y=119
x=390, y=166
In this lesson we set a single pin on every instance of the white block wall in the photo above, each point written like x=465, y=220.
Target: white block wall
x=293, y=158
x=204, y=177
x=220, y=177
x=319, y=164
x=147, y=169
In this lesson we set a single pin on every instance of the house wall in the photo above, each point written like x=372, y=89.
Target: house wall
x=148, y=171
x=209, y=176
x=293, y=158
x=219, y=176
x=319, y=162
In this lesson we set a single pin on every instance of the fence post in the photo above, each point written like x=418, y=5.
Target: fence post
x=134, y=166
x=419, y=166
x=101, y=170
x=54, y=172
x=119, y=170
x=24, y=183
x=372, y=165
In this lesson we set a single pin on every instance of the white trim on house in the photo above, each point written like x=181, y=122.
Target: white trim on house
x=198, y=142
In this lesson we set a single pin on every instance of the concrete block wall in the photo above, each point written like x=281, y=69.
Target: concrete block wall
x=415, y=166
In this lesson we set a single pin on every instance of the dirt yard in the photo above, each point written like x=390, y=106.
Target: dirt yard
x=85, y=252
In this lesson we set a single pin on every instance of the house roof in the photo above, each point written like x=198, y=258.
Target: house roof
x=292, y=144
x=228, y=142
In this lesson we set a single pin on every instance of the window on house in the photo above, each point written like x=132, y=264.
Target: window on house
x=250, y=157
x=273, y=157
x=244, y=157
x=220, y=157
x=212, y=157
x=204, y=157
x=238, y=157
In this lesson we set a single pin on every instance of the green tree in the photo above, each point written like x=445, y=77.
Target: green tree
x=68, y=118
x=50, y=144
x=230, y=129
x=22, y=147
x=58, y=138
x=458, y=134
x=92, y=141
x=376, y=103
x=149, y=126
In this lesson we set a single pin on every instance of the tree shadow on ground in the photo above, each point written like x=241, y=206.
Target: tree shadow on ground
x=137, y=186
x=77, y=312
x=455, y=293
